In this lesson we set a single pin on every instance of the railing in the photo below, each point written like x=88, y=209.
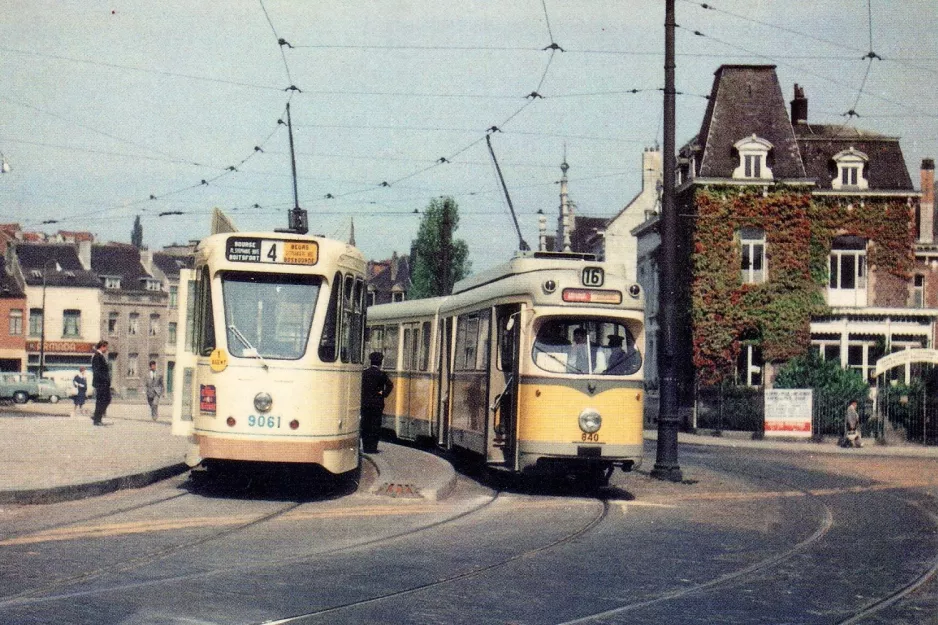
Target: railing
x=893, y=416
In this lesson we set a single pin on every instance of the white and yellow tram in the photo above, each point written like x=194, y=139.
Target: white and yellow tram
x=270, y=368
x=533, y=366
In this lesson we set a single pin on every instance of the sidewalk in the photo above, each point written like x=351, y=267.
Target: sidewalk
x=48, y=456
x=809, y=446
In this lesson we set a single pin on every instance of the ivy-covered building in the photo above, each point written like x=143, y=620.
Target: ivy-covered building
x=794, y=236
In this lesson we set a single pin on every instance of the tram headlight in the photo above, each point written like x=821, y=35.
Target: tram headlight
x=263, y=402
x=590, y=420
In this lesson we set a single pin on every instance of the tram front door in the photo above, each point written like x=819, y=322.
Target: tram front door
x=502, y=427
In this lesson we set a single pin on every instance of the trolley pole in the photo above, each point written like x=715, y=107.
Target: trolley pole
x=666, y=466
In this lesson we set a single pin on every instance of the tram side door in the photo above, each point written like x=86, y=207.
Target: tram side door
x=444, y=375
x=502, y=426
x=185, y=384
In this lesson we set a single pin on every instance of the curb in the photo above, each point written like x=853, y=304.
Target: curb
x=92, y=489
x=388, y=486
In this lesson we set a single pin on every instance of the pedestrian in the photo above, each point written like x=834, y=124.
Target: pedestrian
x=80, y=382
x=852, y=425
x=376, y=385
x=101, y=381
x=154, y=390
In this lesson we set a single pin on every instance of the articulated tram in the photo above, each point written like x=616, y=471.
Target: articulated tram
x=533, y=366
x=270, y=368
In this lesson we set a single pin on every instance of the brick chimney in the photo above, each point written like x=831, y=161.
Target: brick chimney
x=799, y=106
x=927, y=203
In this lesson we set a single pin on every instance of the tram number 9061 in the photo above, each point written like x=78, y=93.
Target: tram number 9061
x=260, y=421
x=590, y=438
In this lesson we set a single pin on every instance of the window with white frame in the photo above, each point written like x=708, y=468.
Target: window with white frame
x=112, y=282
x=847, y=272
x=16, y=321
x=154, y=325
x=851, y=164
x=753, y=159
x=749, y=365
x=71, y=323
x=752, y=266
x=398, y=296
x=132, y=365
x=112, y=319
x=152, y=285
x=918, y=291
x=133, y=325
x=35, y=321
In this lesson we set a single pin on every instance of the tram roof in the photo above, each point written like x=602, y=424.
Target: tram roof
x=527, y=262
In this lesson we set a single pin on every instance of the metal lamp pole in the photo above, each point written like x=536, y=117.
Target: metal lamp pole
x=42, y=329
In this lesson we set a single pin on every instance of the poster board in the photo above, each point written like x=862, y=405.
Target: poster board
x=788, y=412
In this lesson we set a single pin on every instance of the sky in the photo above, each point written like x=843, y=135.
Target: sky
x=166, y=110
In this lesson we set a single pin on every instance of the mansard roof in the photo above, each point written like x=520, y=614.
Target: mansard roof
x=8, y=285
x=886, y=169
x=66, y=271
x=120, y=260
x=170, y=264
x=746, y=100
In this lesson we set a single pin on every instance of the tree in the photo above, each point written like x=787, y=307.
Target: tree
x=136, y=235
x=437, y=260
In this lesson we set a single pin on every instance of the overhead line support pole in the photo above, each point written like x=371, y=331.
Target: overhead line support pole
x=666, y=465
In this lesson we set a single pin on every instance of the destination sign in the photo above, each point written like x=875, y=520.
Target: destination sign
x=253, y=250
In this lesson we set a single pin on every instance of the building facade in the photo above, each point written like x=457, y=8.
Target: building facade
x=792, y=236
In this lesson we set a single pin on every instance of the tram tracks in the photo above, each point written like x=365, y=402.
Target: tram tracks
x=775, y=560
x=40, y=594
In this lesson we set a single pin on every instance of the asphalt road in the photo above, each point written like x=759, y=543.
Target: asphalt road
x=749, y=537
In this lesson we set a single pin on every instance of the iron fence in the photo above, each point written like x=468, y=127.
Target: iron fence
x=891, y=415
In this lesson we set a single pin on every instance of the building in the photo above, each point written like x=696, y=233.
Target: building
x=133, y=316
x=12, y=319
x=166, y=267
x=63, y=297
x=792, y=236
x=388, y=280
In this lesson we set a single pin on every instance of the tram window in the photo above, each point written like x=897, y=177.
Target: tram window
x=206, y=318
x=269, y=314
x=327, y=343
x=482, y=344
x=588, y=346
x=356, y=346
x=407, y=363
x=472, y=336
x=375, y=338
x=425, y=347
x=389, y=349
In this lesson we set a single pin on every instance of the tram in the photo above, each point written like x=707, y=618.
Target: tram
x=534, y=366
x=270, y=368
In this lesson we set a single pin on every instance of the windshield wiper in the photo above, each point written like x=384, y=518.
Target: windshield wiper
x=249, y=350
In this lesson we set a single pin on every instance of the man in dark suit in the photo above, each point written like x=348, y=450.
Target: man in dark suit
x=154, y=389
x=101, y=381
x=375, y=387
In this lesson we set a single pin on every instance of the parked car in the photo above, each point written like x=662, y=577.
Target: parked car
x=20, y=387
x=50, y=391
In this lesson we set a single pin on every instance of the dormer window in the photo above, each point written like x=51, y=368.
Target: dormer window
x=753, y=159
x=850, y=170
x=152, y=285
x=37, y=273
x=112, y=282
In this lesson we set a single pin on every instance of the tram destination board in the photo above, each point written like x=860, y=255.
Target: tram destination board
x=255, y=250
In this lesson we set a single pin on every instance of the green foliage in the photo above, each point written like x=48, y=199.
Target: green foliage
x=438, y=261
x=799, y=228
x=839, y=386
x=136, y=235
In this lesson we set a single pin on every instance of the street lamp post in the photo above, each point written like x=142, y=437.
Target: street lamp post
x=42, y=329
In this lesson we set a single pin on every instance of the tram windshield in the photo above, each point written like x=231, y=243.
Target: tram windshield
x=268, y=315
x=586, y=346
